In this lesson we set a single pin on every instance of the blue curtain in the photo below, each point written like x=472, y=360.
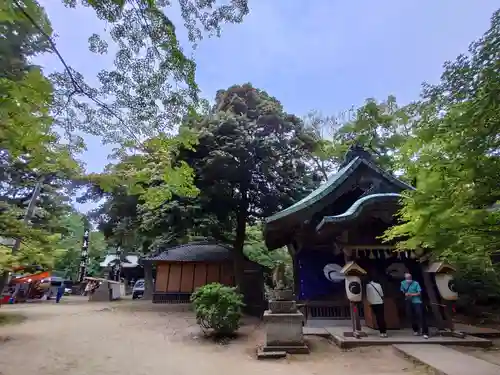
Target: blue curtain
x=312, y=281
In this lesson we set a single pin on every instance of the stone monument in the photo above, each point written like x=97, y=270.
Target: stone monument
x=283, y=322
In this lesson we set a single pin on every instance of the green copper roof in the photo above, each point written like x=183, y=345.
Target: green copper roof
x=332, y=183
x=358, y=206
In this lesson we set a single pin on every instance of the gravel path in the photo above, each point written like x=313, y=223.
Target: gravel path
x=136, y=338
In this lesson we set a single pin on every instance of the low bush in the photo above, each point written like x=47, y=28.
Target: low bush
x=218, y=308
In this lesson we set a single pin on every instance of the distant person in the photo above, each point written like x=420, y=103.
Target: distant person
x=60, y=293
x=88, y=288
x=375, y=297
x=415, y=307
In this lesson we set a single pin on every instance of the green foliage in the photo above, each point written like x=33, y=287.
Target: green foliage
x=381, y=127
x=478, y=284
x=138, y=190
x=31, y=152
x=251, y=159
x=152, y=86
x=218, y=307
x=256, y=250
x=454, y=158
x=70, y=245
x=247, y=159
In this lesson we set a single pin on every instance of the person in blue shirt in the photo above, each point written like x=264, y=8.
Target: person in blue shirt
x=413, y=296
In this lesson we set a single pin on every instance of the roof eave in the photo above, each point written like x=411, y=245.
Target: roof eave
x=357, y=208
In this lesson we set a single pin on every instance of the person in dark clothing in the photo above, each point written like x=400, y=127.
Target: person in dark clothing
x=375, y=297
x=60, y=293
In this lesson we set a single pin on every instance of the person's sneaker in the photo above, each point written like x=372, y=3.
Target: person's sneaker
x=426, y=336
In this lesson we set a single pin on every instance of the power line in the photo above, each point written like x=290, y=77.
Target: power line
x=76, y=85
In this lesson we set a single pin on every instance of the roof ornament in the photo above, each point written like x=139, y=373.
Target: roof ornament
x=356, y=150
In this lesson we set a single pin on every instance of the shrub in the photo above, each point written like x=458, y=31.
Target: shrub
x=218, y=307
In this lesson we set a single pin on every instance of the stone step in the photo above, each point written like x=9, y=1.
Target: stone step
x=270, y=355
x=446, y=361
x=484, y=332
x=314, y=331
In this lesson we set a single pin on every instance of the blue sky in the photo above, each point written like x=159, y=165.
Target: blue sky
x=325, y=55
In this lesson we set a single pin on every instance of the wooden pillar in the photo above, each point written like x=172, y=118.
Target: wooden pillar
x=434, y=301
x=292, y=250
x=148, y=280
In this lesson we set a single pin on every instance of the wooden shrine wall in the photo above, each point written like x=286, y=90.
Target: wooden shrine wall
x=186, y=277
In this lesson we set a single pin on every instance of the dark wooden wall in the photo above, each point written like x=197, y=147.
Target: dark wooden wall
x=185, y=277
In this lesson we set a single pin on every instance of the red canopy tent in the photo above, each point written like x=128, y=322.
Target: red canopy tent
x=30, y=278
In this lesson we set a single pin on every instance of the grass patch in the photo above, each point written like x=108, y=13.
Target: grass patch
x=10, y=318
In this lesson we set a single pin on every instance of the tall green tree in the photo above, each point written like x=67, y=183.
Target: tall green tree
x=70, y=246
x=382, y=127
x=252, y=159
x=454, y=156
x=30, y=149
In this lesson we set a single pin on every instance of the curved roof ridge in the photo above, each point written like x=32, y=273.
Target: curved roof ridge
x=324, y=189
x=357, y=207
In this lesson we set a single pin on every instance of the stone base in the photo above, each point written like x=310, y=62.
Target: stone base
x=290, y=349
x=284, y=332
x=283, y=295
x=290, y=318
x=282, y=307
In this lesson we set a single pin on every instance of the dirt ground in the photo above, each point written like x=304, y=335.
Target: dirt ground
x=136, y=337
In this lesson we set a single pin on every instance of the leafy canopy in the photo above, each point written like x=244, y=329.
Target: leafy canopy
x=454, y=157
x=152, y=86
x=31, y=152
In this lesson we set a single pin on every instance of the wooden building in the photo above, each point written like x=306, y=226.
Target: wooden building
x=129, y=267
x=182, y=269
x=339, y=222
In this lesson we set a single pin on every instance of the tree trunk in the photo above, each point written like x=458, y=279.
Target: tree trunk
x=238, y=257
x=3, y=281
x=148, y=281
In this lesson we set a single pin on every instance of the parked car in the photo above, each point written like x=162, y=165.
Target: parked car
x=138, y=289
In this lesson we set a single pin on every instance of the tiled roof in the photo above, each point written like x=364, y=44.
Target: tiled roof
x=193, y=252
x=131, y=261
x=277, y=227
x=332, y=183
